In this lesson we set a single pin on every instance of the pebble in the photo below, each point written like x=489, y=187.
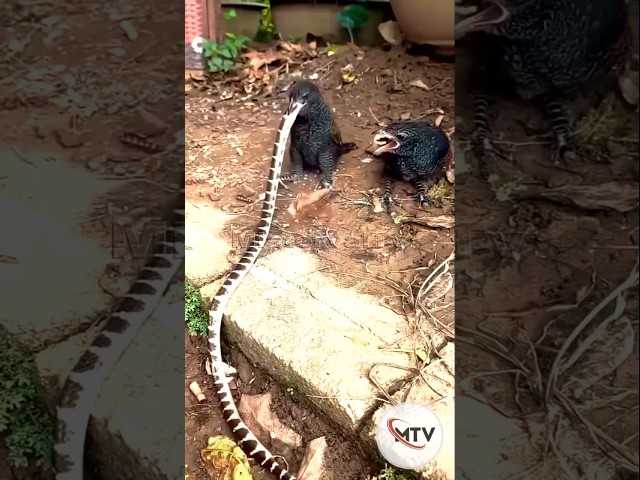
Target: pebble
x=69, y=138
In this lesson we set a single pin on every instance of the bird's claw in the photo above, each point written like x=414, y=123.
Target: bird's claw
x=486, y=152
x=426, y=201
x=388, y=202
x=570, y=148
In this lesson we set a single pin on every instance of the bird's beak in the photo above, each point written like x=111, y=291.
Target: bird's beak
x=382, y=143
x=491, y=13
x=294, y=105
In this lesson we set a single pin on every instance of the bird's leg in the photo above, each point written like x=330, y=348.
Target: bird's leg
x=560, y=128
x=387, y=197
x=296, y=166
x=326, y=164
x=483, y=148
x=566, y=141
x=423, y=197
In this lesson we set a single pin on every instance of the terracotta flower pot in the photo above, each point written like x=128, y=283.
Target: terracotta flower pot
x=296, y=18
x=426, y=22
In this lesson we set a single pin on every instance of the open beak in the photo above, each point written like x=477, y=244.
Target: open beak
x=382, y=143
x=491, y=13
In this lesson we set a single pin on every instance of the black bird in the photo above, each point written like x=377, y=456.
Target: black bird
x=413, y=151
x=541, y=50
x=316, y=142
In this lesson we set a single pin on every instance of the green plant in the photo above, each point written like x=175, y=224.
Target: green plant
x=25, y=424
x=389, y=473
x=353, y=17
x=195, y=314
x=267, y=30
x=221, y=56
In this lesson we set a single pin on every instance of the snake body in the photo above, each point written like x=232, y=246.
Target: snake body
x=246, y=439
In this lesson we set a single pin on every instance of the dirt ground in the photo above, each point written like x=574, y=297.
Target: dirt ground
x=228, y=150
x=529, y=270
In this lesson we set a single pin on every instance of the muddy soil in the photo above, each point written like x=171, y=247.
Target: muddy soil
x=228, y=150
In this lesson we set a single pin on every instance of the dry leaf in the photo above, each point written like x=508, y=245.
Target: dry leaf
x=303, y=200
x=377, y=204
x=405, y=116
x=599, y=354
x=439, y=119
x=614, y=195
x=628, y=83
x=420, y=84
x=312, y=467
x=451, y=175
x=391, y=32
x=437, y=221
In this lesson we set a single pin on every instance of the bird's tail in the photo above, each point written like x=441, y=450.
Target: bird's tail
x=344, y=148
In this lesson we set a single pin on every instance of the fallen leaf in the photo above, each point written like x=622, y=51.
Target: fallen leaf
x=377, y=204
x=226, y=458
x=313, y=467
x=628, y=83
x=422, y=355
x=304, y=200
x=437, y=221
x=348, y=77
x=439, y=119
x=451, y=175
x=405, y=116
x=391, y=32
x=420, y=84
x=614, y=195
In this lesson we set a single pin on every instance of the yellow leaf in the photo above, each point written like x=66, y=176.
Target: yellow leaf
x=348, y=77
x=422, y=355
x=226, y=458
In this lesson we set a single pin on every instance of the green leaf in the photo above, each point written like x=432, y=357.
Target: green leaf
x=215, y=64
x=230, y=15
x=225, y=52
x=353, y=16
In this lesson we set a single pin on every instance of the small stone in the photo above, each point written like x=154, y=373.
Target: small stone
x=117, y=52
x=70, y=138
x=129, y=29
x=96, y=162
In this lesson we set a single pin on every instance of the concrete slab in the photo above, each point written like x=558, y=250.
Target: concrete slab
x=54, y=276
x=312, y=335
x=205, y=250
